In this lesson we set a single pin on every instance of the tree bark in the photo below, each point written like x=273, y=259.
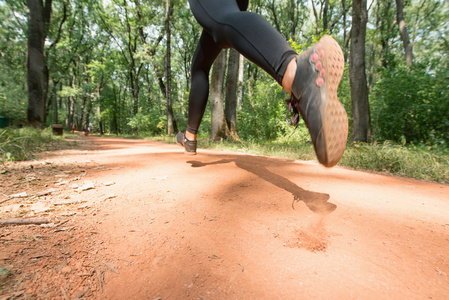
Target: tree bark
x=85, y=101
x=54, y=101
x=38, y=19
x=325, y=15
x=293, y=19
x=361, y=129
x=171, y=123
x=345, y=50
x=231, y=93
x=134, y=68
x=408, y=48
x=71, y=104
x=218, y=121
x=275, y=15
x=317, y=18
x=240, y=82
x=100, y=122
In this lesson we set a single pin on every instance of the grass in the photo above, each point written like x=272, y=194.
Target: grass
x=413, y=162
x=423, y=163
x=418, y=162
x=21, y=144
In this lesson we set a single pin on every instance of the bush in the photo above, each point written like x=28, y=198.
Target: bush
x=148, y=121
x=20, y=144
x=263, y=119
x=411, y=106
x=414, y=162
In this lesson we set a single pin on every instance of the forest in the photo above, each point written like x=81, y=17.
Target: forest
x=123, y=67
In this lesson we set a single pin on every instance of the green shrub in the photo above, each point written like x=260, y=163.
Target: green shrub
x=148, y=121
x=419, y=162
x=414, y=162
x=263, y=119
x=20, y=144
x=411, y=106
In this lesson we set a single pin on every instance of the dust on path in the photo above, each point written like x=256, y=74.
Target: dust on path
x=221, y=225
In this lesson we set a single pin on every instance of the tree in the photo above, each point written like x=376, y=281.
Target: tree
x=218, y=121
x=361, y=127
x=286, y=16
x=121, y=65
x=408, y=48
x=38, y=19
x=171, y=123
x=13, y=52
x=240, y=82
x=326, y=15
x=231, y=92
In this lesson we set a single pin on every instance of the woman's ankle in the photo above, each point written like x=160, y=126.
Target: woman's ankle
x=289, y=76
x=190, y=136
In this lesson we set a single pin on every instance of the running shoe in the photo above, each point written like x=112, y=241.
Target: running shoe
x=189, y=146
x=314, y=95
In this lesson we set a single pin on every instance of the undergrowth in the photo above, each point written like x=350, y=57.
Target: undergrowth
x=21, y=144
x=409, y=161
x=418, y=162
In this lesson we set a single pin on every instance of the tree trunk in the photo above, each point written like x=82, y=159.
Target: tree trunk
x=171, y=123
x=231, y=93
x=55, y=109
x=240, y=82
x=71, y=105
x=86, y=126
x=361, y=123
x=345, y=50
x=317, y=18
x=218, y=121
x=275, y=15
x=325, y=15
x=99, y=88
x=84, y=104
x=100, y=122
x=408, y=48
x=293, y=19
x=54, y=102
x=39, y=17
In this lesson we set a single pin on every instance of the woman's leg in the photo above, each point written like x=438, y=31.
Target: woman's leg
x=248, y=33
x=205, y=55
x=226, y=25
x=312, y=78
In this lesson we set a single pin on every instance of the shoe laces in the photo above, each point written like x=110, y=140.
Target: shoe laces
x=294, y=119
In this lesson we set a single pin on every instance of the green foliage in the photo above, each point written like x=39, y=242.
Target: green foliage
x=411, y=106
x=344, y=95
x=13, y=91
x=263, y=115
x=424, y=163
x=68, y=91
x=149, y=122
x=20, y=144
x=107, y=57
x=413, y=162
x=13, y=109
x=299, y=48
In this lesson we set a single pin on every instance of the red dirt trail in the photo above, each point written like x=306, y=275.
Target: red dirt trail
x=222, y=225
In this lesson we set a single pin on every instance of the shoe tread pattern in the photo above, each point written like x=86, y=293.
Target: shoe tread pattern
x=334, y=117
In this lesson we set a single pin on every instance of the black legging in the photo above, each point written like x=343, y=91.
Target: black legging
x=227, y=24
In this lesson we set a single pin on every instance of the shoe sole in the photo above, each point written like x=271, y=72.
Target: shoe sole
x=179, y=142
x=333, y=114
x=189, y=153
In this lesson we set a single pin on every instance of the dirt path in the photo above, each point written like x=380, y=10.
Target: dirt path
x=145, y=221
